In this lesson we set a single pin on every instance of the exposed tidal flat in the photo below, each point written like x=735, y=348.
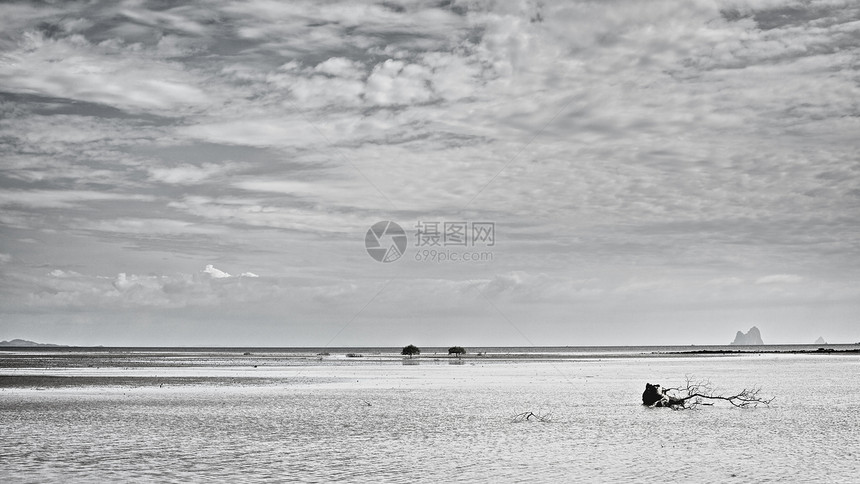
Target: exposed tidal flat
x=130, y=414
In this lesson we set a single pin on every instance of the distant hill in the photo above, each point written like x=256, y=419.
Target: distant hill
x=820, y=341
x=23, y=342
x=751, y=337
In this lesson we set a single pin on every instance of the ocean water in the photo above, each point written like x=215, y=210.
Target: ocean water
x=380, y=420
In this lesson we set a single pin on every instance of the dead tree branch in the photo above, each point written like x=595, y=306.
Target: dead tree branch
x=694, y=393
x=529, y=416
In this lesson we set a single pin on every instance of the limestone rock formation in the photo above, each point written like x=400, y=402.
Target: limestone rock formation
x=751, y=337
x=23, y=342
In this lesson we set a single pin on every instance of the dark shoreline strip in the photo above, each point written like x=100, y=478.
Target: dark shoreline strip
x=53, y=381
x=819, y=351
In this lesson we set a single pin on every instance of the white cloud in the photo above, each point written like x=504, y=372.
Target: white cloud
x=779, y=279
x=215, y=273
x=189, y=174
x=726, y=281
x=270, y=214
x=61, y=198
x=210, y=288
x=109, y=73
x=151, y=226
x=341, y=67
x=278, y=132
x=394, y=82
x=278, y=186
x=63, y=274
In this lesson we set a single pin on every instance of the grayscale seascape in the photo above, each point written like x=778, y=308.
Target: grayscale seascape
x=200, y=415
x=403, y=241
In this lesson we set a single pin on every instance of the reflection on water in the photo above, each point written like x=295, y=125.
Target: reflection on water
x=390, y=423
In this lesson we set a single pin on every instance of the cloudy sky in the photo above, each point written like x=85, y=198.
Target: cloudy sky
x=657, y=172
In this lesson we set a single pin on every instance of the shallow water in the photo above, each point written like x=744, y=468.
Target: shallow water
x=388, y=422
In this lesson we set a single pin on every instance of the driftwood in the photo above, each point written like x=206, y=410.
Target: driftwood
x=531, y=416
x=694, y=393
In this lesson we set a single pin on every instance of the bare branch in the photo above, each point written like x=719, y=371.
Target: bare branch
x=694, y=393
x=529, y=416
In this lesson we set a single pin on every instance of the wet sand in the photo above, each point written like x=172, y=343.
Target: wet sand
x=68, y=367
x=56, y=381
x=376, y=419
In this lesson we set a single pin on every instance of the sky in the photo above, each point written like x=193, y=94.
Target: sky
x=623, y=172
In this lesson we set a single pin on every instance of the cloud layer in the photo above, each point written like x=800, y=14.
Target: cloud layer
x=687, y=163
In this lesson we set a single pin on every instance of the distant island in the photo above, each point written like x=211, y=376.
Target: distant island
x=23, y=342
x=751, y=337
